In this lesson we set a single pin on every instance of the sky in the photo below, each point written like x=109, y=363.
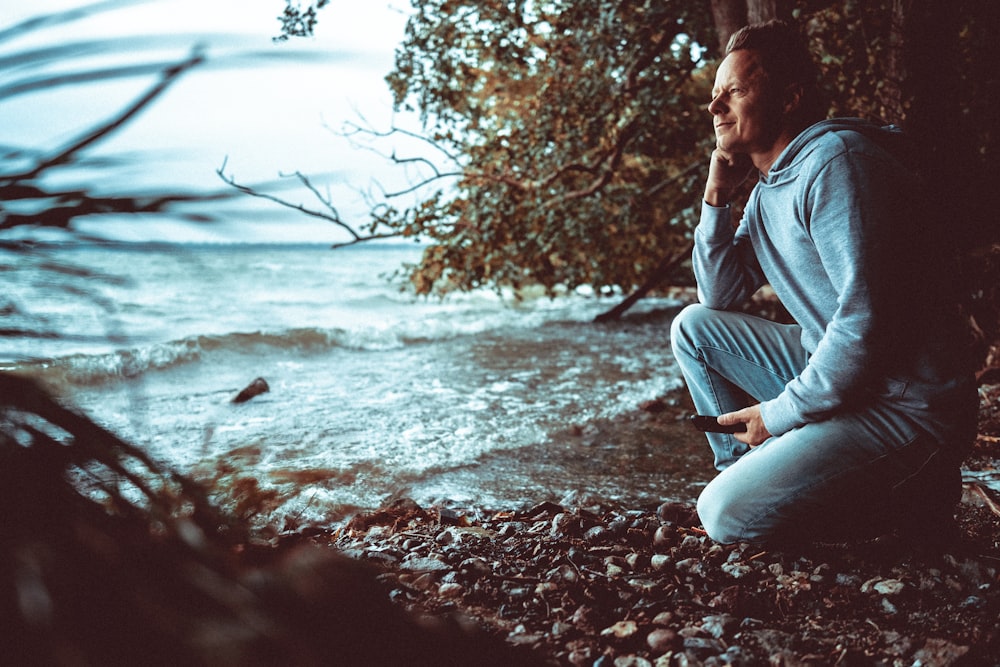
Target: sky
x=262, y=117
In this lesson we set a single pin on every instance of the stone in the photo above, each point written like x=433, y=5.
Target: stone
x=662, y=640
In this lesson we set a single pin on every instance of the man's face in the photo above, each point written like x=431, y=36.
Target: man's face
x=747, y=115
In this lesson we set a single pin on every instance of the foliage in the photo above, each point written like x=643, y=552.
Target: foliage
x=574, y=138
x=298, y=22
x=578, y=132
x=575, y=132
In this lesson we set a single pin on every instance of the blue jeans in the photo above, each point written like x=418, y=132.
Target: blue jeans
x=850, y=475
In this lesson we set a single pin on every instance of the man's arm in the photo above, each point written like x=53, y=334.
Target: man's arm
x=725, y=269
x=849, y=202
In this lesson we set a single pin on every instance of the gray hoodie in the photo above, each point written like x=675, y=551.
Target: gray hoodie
x=836, y=228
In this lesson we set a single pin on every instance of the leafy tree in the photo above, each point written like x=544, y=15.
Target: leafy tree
x=573, y=133
x=576, y=132
x=578, y=135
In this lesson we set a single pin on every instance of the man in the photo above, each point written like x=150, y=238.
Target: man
x=859, y=412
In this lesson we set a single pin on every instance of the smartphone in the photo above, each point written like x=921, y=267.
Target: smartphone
x=711, y=425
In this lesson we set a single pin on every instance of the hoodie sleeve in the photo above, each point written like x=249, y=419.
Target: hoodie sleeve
x=845, y=209
x=725, y=267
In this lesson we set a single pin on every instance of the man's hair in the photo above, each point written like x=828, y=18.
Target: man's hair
x=786, y=60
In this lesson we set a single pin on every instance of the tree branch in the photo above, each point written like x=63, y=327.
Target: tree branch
x=657, y=277
x=332, y=216
x=169, y=75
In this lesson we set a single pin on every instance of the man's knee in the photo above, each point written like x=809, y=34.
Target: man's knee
x=685, y=328
x=717, y=510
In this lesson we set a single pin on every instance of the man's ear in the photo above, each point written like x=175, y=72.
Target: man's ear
x=793, y=98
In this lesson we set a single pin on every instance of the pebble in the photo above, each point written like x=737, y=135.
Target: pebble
x=664, y=536
x=736, y=570
x=663, y=618
x=883, y=586
x=632, y=661
x=690, y=566
x=451, y=590
x=621, y=629
x=474, y=568
x=636, y=561
x=545, y=587
x=644, y=585
x=691, y=542
x=661, y=640
x=425, y=564
x=596, y=534
x=560, y=628
x=580, y=570
x=718, y=626
x=703, y=647
x=659, y=561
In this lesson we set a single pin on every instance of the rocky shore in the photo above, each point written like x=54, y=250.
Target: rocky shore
x=633, y=587
x=110, y=559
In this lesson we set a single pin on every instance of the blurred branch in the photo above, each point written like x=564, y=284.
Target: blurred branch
x=168, y=76
x=63, y=16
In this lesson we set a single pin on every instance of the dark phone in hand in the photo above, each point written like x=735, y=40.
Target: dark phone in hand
x=710, y=424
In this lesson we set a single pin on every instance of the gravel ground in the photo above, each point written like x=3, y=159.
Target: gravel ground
x=645, y=586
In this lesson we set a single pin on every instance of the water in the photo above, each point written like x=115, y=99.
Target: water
x=374, y=393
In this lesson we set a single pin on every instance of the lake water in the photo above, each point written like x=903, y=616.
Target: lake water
x=374, y=393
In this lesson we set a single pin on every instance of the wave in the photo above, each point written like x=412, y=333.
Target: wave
x=386, y=326
x=95, y=369
x=92, y=370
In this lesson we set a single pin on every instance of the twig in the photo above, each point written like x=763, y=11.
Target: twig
x=332, y=216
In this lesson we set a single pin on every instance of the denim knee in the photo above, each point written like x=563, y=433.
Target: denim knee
x=716, y=509
x=685, y=326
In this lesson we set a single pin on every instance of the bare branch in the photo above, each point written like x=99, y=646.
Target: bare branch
x=690, y=169
x=422, y=184
x=657, y=277
x=611, y=163
x=392, y=131
x=332, y=216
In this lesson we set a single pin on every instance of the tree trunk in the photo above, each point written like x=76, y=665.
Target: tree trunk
x=759, y=11
x=729, y=16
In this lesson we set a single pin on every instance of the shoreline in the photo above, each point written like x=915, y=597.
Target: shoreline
x=645, y=586
x=146, y=568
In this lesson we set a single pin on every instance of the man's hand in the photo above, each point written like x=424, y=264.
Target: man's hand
x=725, y=173
x=756, y=432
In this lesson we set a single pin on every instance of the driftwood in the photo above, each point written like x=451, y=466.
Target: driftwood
x=658, y=277
x=256, y=388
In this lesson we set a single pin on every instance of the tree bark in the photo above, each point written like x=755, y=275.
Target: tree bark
x=759, y=11
x=729, y=16
x=892, y=96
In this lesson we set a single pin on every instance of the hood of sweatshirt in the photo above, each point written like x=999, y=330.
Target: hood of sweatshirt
x=889, y=137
